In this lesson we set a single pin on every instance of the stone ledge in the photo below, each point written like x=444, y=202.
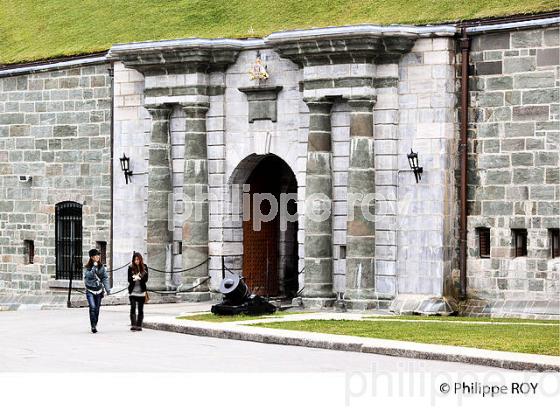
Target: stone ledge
x=367, y=304
x=65, y=284
x=193, y=297
x=523, y=308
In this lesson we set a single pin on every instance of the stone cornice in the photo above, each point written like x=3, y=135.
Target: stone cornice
x=324, y=50
x=179, y=56
x=315, y=46
x=351, y=44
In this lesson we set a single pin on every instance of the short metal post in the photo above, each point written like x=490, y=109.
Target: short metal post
x=68, y=303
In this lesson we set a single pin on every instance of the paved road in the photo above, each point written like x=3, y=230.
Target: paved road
x=60, y=340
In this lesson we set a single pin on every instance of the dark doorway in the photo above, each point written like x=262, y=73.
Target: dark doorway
x=270, y=253
x=68, y=233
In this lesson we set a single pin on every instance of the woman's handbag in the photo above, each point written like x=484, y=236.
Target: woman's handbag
x=146, y=298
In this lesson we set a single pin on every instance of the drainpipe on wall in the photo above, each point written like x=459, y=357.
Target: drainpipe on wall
x=112, y=142
x=464, y=125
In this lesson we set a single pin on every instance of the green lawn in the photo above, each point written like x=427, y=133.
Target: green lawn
x=210, y=317
x=523, y=338
x=38, y=29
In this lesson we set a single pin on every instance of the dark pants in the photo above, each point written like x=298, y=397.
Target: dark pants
x=94, y=302
x=136, y=320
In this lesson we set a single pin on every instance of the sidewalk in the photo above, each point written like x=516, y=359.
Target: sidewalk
x=239, y=331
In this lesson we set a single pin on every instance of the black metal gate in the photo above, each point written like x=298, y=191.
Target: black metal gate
x=68, y=233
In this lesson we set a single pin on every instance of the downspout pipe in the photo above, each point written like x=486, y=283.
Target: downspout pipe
x=111, y=70
x=464, y=43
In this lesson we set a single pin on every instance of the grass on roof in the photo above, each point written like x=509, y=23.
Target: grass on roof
x=32, y=30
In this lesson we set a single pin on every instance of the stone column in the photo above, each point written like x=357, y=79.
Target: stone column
x=360, y=238
x=318, y=290
x=160, y=233
x=195, y=197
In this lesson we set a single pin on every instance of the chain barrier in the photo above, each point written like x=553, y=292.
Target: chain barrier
x=165, y=292
x=282, y=282
x=157, y=270
x=188, y=289
x=178, y=271
x=114, y=270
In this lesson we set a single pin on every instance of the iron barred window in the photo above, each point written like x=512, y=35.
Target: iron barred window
x=483, y=242
x=68, y=234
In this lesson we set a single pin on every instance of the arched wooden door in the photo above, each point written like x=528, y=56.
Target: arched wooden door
x=260, y=246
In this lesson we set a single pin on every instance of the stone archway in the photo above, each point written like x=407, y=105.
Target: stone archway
x=270, y=253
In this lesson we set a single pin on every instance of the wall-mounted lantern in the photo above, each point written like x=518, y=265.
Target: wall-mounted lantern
x=125, y=167
x=413, y=162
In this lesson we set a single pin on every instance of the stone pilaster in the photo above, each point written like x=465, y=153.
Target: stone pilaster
x=318, y=213
x=360, y=239
x=160, y=229
x=195, y=197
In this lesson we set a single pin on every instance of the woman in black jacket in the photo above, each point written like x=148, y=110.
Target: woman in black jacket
x=137, y=278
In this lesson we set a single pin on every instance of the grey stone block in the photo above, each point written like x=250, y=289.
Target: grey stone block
x=12, y=118
x=493, y=55
x=492, y=193
x=545, y=96
x=498, y=177
x=528, y=176
x=65, y=131
x=499, y=83
x=543, y=79
x=552, y=37
x=497, y=208
x=494, y=41
x=69, y=82
x=495, y=99
x=519, y=129
x=534, y=143
x=513, y=144
x=526, y=39
x=547, y=158
x=545, y=192
x=552, y=176
x=75, y=143
x=522, y=159
x=493, y=161
x=512, y=97
x=517, y=193
x=489, y=68
x=488, y=130
x=548, y=57
x=530, y=113
x=521, y=64
x=491, y=146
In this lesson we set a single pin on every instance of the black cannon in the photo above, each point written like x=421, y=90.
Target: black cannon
x=239, y=299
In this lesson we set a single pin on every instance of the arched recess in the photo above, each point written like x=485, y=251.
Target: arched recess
x=270, y=252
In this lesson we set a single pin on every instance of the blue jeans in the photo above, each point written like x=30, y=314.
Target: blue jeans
x=94, y=302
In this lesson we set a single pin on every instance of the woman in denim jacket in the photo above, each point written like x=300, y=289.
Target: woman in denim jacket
x=95, y=279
